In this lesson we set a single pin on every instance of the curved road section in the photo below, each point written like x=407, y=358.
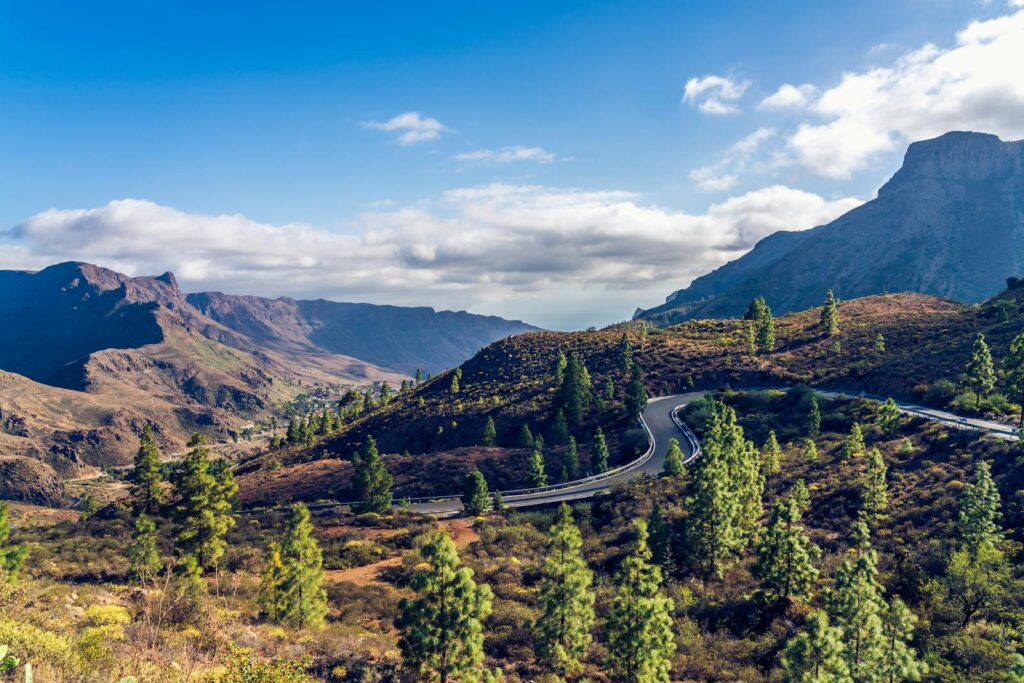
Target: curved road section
x=662, y=424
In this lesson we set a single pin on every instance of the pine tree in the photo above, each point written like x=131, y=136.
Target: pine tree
x=599, y=453
x=302, y=592
x=898, y=662
x=143, y=554
x=497, y=502
x=817, y=655
x=562, y=632
x=830, y=315
x=880, y=343
x=810, y=450
x=874, y=493
x=561, y=362
x=636, y=395
x=785, y=560
x=814, y=418
x=571, y=460
x=659, y=535
x=751, y=337
x=625, y=353
x=800, y=496
x=271, y=597
x=454, y=387
x=146, y=489
x=770, y=454
x=855, y=606
x=475, y=496
x=294, y=434
x=419, y=377
x=980, y=374
x=640, y=638
x=575, y=393
x=975, y=584
x=979, y=511
x=673, y=464
x=372, y=481
x=1014, y=373
x=525, y=438
x=889, y=417
x=726, y=486
x=442, y=627
x=766, y=330
x=854, y=444
x=490, y=437
x=755, y=311
x=11, y=556
x=204, y=506
x=538, y=476
x=609, y=388
x=560, y=429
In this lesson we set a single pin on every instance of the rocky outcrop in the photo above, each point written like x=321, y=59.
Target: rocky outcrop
x=30, y=481
x=950, y=223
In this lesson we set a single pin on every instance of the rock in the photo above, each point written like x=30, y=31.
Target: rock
x=30, y=481
x=948, y=223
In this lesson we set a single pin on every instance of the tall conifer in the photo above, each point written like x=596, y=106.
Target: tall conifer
x=372, y=481
x=562, y=632
x=640, y=638
x=146, y=488
x=442, y=627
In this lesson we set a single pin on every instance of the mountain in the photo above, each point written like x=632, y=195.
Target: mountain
x=405, y=339
x=89, y=356
x=927, y=342
x=950, y=223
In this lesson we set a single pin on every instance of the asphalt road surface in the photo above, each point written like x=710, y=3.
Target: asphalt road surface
x=661, y=428
x=659, y=420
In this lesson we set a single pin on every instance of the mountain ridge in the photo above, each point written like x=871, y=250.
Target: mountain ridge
x=90, y=356
x=949, y=222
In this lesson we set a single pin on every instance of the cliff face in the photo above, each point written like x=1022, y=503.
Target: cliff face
x=950, y=222
x=402, y=338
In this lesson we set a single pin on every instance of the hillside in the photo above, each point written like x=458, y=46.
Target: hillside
x=948, y=223
x=92, y=356
x=725, y=628
x=927, y=341
x=401, y=338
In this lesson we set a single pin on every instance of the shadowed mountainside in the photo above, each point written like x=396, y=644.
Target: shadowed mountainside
x=405, y=339
x=950, y=223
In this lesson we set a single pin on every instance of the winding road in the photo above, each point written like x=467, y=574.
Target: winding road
x=662, y=424
x=658, y=419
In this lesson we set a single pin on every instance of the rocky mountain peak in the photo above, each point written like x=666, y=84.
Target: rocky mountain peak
x=959, y=156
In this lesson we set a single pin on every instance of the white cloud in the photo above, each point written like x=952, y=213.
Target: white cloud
x=978, y=84
x=725, y=173
x=498, y=248
x=714, y=95
x=789, y=97
x=411, y=128
x=508, y=155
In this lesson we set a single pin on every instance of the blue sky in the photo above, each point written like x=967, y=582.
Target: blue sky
x=226, y=134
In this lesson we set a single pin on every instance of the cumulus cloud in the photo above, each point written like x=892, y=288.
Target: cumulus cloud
x=489, y=248
x=507, y=155
x=977, y=84
x=411, y=128
x=714, y=95
x=725, y=173
x=789, y=97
